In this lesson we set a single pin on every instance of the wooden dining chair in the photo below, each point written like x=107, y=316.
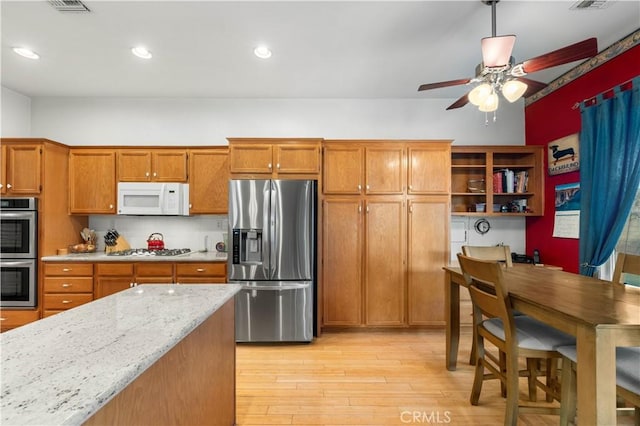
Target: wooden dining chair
x=499, y=253
x=515, y=336
x=625, y=264
x=627, y=380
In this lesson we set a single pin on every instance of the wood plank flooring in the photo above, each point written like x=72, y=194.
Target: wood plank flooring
x=365, y=378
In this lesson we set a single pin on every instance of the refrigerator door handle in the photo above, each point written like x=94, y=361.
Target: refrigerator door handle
x=274, y=229
x=266, y=231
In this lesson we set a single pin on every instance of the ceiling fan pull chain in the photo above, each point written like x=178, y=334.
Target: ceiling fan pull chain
x=486, y=118
x=495, y=116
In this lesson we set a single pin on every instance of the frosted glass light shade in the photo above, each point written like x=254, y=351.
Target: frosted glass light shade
x=512, y=90
x=490, y=104
x=479, y=94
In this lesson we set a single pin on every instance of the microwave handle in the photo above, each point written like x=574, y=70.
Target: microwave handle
x=162, y=191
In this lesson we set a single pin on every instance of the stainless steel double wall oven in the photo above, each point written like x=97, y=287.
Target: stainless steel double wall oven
x=18, y=252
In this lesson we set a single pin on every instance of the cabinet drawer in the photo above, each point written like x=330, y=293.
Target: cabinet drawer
x=11, y=319
x=153, y=269
x=201, y=269
x=66, y=301
x=68, y=269
x=114, y=269
x=68, y=285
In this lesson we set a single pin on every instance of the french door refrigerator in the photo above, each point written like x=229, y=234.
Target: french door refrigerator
x=272, y=224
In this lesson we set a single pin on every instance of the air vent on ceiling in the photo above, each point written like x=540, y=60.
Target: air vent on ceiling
x=590, y=4
x=69, y=5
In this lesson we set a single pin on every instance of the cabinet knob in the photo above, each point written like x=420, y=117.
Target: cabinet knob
x=367, y=209
x=3, y=319
x=190, y=206
x=66, y=269
x=65, y=302
x=200, y=269
x=66, y=285
x=359, y=187
x=1, y=185
x=410, y=187
x=147, y=174
x=155, y=174
x=8, y=185
x=131, y=284
x=368, y=187
x=269, y=165
x=278, y=166
x=110, y=206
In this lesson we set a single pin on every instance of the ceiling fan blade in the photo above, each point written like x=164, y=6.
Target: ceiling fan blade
x=533, y=86
x=581, y=50
x=496, y=51
x=460, y=102
x=443, y=84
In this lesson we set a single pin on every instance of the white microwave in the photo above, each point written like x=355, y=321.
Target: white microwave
x=153, y=199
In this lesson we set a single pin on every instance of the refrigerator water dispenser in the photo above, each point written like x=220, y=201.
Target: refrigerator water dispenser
x=247, y=246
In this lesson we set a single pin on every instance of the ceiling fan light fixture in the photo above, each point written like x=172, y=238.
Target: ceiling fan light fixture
x=490, y=104
x=513, y=90
x=480, y=93
x=262, y=52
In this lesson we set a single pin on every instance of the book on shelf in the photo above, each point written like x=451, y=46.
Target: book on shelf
x=508, y=181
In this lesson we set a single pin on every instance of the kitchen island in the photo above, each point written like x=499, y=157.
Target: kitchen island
x=152, y=354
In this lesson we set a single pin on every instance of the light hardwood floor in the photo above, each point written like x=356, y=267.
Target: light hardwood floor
x=365, y=378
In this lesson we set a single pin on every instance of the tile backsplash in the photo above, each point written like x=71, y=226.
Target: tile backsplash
x=177, y=231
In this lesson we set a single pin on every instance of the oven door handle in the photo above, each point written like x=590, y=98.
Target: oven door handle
x=28, y=215
x=13, y=263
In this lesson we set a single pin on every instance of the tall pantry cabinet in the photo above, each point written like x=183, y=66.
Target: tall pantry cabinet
x=385, y=232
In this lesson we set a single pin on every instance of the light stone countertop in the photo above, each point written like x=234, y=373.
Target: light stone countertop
x=194, y=256
x=62, y=369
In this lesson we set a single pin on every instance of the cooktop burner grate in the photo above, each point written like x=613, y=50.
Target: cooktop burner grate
x=147, y=252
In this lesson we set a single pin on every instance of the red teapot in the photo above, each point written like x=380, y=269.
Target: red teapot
x=155, y=242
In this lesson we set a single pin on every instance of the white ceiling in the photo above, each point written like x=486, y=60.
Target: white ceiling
x=321, y=49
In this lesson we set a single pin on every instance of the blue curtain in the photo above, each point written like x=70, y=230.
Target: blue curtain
x=609, y=172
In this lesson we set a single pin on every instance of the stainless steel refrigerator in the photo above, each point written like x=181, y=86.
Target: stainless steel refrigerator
x=272, y=227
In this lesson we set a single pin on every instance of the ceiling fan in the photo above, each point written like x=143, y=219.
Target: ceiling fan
x=498, y=72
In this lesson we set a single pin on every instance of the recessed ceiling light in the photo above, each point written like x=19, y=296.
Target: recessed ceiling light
x=27, y=53
x=262, y=52
x=141, y=52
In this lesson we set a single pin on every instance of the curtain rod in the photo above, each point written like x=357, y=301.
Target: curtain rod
x=592, y=100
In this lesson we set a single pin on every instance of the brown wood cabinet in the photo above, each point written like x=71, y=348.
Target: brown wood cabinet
x=385, y=260
x=343, y=238
x=155, y=165
x=92, y=181
x=274, y=158
x=428, y=251
x=66, y=285
x=201, y=273
x=384, y=244
x=472, y=179
x=384, y=167
x=12, y=318
x=20, y=168
x=112, y=277
x=209, y=181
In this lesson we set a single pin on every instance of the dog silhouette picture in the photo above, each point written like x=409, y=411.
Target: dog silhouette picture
x=558, y=154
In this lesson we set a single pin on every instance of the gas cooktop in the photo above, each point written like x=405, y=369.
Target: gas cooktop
x=147, y=252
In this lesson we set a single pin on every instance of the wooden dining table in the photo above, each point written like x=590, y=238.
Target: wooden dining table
x=601, y=315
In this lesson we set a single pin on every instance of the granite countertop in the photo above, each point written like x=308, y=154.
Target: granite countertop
x=194, y=256
x=62, y=369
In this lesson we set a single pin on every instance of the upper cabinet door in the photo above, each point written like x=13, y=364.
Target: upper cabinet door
x=429, y=168
x=169, y=165
x=384, y=170
x=92, y=181
x=250, y=158
x=209, y=181
x=297, y=158
x=134, y=166
x=22, y=168
x=343, y=170
x=162, y=165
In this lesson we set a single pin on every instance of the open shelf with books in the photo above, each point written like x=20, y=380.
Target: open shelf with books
x=497, y=180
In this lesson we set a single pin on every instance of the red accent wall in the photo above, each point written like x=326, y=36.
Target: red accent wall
x=553, y=117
